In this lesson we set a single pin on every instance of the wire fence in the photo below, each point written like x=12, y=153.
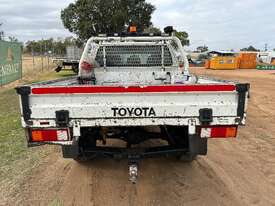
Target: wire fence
x=32, y=64
x=15, y=65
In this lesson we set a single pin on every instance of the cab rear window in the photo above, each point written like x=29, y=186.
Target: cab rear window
x=134, y=56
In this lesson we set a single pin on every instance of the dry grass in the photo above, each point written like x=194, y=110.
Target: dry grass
x=16, y=160
x=36, y=65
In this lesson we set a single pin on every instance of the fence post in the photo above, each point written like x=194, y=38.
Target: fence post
x=0, y=75
x=0, y=70
x=21, y=64
x=48, y=62
x=41, y=55
x=42, y=62
x=33, y=65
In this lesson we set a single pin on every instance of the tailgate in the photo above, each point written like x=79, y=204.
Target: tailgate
x=170, y=102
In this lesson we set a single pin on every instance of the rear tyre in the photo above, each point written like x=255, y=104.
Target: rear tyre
x=193, y=145
x=80, y=159
x=87, y=141
x=187, y=157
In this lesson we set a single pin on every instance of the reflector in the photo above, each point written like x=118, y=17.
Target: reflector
x=231, y=132
x=37, y=136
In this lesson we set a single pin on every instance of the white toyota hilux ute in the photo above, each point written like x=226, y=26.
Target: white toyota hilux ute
x=133, y=98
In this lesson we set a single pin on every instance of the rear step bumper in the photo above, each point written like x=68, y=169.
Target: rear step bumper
x=197, y=146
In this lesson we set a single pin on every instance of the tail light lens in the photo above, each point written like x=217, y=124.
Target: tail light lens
x=218, y=132
x=49, y=135
x=86, y=66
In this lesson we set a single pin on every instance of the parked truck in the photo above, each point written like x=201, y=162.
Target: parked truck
x=133, y=98
x=73, y=55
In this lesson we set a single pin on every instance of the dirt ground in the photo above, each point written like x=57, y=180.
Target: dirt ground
x=236, y=171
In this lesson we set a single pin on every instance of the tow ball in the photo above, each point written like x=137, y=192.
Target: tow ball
x=133, y=168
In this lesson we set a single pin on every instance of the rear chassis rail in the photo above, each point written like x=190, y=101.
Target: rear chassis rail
x=134, y=155
x=125, y=153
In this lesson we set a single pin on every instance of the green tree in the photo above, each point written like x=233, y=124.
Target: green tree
x=1, y=32
x=13, y=39
x=86, y=18
x=152, y=29
x=250, y=48
x=183, y=36
x=57, y=47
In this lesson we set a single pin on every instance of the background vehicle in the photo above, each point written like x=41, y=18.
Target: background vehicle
x=72, y=58
x=134, y=89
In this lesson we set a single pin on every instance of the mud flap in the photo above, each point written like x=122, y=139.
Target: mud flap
x=197, y=145
x=70, y=151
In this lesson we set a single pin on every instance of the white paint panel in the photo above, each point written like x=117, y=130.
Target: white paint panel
x=165, y=105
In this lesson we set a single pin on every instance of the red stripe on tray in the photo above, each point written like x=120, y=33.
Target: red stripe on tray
x=147, y=89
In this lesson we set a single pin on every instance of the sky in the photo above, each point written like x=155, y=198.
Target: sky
x=219, y=24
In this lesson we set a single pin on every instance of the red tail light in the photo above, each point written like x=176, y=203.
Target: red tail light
x=86, y=66
x=49, y=135
x=218, y=132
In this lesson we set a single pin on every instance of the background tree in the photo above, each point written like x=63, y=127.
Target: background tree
x=202, y=48
x=13, y=39
x=152, y=29
x=91, y=17
x=250, y=48
x=1, y=32
x=183, y=36
x=57, y=47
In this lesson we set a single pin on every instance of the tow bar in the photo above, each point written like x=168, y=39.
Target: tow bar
x=134, y=155
x=133, y=168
